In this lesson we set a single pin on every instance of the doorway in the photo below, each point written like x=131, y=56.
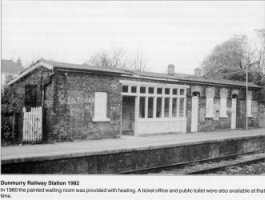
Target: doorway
x=128, y=118
x=194, y=112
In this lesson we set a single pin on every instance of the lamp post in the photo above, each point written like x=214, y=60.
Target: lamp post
x=246, y=97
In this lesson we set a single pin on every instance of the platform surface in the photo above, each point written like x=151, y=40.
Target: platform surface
x=61, y=150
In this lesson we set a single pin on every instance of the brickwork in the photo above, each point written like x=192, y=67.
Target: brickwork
x=224, y=123
x=117, y=162
x=38, y=77
x=69, y=105
x=262, y=115
x=73, y=107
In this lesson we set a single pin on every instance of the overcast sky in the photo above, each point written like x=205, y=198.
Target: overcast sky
x=179, y=33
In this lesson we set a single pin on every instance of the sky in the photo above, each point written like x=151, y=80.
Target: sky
x=172, y=32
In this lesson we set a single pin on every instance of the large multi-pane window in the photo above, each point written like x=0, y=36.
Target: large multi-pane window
x=156, y=101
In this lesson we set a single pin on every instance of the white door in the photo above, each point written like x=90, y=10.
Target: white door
x=233, y=115
x=194, y=114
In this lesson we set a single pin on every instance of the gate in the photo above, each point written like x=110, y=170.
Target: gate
x=32, y=125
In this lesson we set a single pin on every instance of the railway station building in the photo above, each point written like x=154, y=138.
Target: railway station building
x=84, y=102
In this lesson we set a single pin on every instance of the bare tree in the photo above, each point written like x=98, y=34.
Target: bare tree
x=138, y=62
x=114, y=58
x=118, y=58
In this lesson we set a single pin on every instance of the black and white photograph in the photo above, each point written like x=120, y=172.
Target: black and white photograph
x=132, y=92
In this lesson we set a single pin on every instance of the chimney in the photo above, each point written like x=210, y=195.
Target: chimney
x=197, y=72
x=171, y=69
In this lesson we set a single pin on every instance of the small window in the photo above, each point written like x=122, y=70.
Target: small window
x=31, y=95
x=166, y=110
x=174, y=107
x=133, y=89
x=151, y=90
x=125, y=88
x=181, y=91
x=159, y=90
x=167, y=91
x=159, y=107
x=142, y=107
x=175, y=91
x=142, y=90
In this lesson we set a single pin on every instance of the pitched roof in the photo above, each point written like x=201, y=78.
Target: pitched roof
x=10, y=67
x=84, y=67
x=177, y=76
x=192, y=78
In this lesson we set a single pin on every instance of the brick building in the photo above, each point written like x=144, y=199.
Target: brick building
x=85, y=102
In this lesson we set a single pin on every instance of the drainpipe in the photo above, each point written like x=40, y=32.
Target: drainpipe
x=43, y=85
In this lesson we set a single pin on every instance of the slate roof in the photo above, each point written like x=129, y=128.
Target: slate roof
x=85, y=67
x=10, y=67
x=177, y=76
x=192, y=78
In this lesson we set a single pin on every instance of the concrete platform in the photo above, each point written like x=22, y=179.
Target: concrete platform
x=44, y=152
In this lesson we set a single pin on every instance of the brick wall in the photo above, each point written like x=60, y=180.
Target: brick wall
x=73, y=107
x=36, y=77
x=69, y=105
x=219, y=123
x=262, y=115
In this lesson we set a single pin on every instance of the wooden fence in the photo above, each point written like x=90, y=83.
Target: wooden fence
x=32, y=125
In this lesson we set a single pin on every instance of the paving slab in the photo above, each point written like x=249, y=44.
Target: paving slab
x=62, y=150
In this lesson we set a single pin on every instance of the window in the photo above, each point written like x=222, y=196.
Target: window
x=167, y=91
x=209, y=102
x=100, y=107
x=223, y=102
x=181, y=91
x=31, y=95
x=175, y=91
x=159, y=90
x=151, y=90
x=142, y=90
x=125, y=88
x=134, y=89
x=249, y=104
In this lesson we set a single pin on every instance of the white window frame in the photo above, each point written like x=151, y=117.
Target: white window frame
x=155, y=95
x=101, y=107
